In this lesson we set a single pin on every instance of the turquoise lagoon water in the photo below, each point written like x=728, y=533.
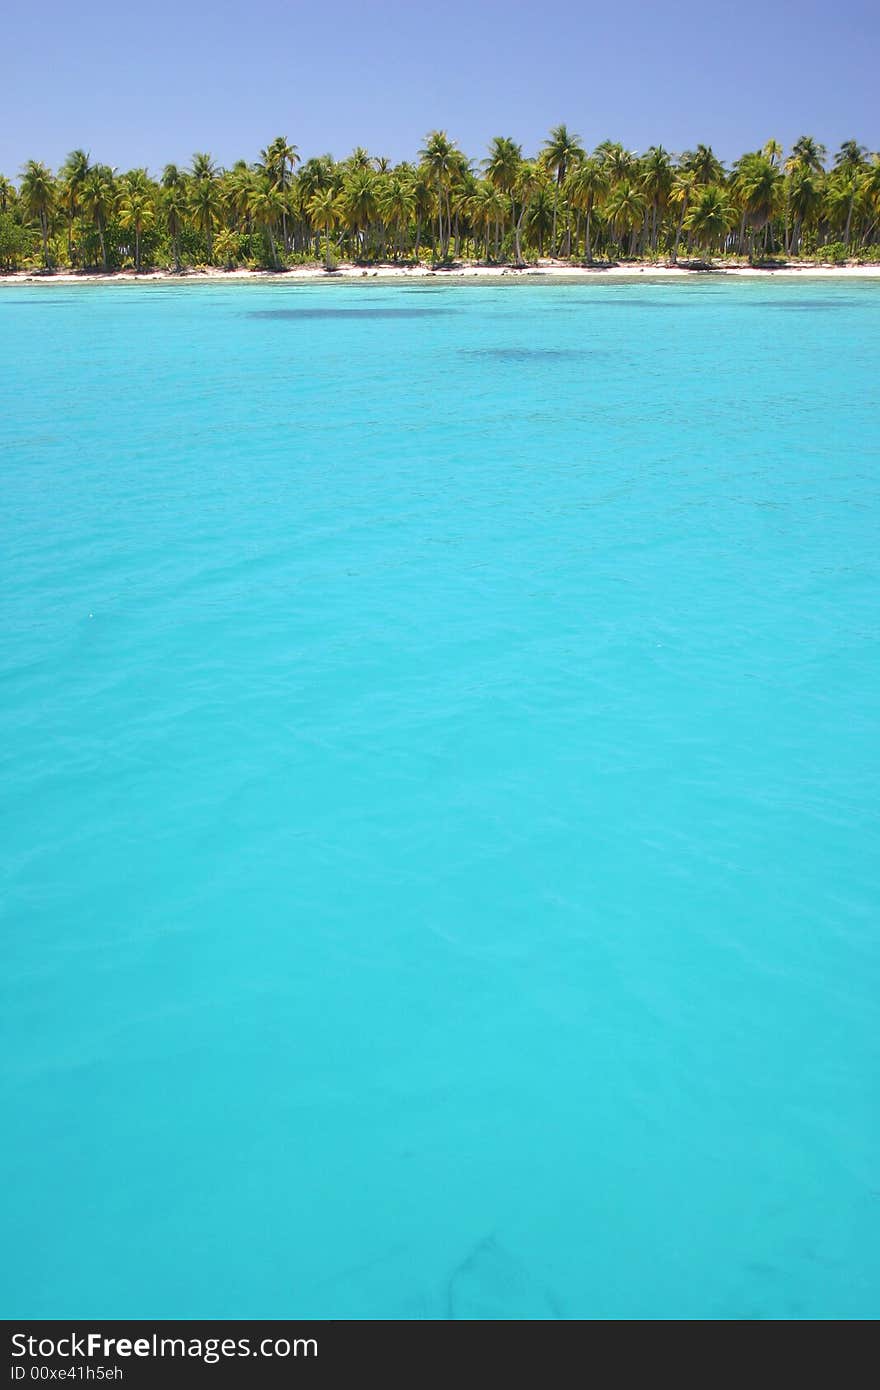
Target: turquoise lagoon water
x=440, y=826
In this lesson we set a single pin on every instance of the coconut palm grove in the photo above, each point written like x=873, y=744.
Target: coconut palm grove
x=610, y=204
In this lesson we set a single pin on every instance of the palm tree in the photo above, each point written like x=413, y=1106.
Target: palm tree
x=588, y=184
x=703, y=164
x=238, y=185
x=842, y=188
x=539, y=218
x=204, y=197
x=314, y=174
x=619, y=162
x=528, y=183
x=561, y=150
x=870, y=191
x=360, y=159
x=359, y=207
x=461, y=185
x=325, y=211
x=98, y=199
x=711, y=217
x=773, y=151
x=266, y=206
x=851, y=160
x=279, y=159
x=806, y=160
x=804, y=198
x=424, y=196
x=682, y=191
x=502, y=169
x=625, y=206
x=757, y=186
x=851, y=155
x=487, y=208
x=73, y=175
x=136, y=210
x=173, y=177
x=806, y=153
x=203, y=166
x=38, y=194
x=204, y=201
x=175, y=205
x=438, y=157
x=227, y=247
x=396, y=204
x=657, y=183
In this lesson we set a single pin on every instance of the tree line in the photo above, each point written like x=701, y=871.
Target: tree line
x=567, y=202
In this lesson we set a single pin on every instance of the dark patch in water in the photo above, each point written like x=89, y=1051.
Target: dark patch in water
x=530, y=354
x=612, y=298
x=491, y=1284
x=368, y=312
x=54, y=301
x=822, y=306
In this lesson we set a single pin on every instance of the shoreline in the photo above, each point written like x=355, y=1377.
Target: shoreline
x=543, y=270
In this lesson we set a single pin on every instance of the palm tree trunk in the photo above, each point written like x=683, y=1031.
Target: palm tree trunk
x=681, y=218
x=849, y=213
x=517, y=232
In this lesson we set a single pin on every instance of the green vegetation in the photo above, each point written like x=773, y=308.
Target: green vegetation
x=610, y=204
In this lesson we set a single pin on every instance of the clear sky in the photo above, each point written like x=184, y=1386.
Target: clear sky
x=141, y=85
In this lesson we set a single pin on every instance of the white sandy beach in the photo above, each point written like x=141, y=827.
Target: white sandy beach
x=546, y=269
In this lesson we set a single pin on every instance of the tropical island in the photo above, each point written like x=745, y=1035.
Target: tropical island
x=566, y=207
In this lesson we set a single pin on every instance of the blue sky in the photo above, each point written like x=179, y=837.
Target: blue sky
x=144, y=85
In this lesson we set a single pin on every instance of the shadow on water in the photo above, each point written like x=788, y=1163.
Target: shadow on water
x=517, y=354
x=372, y=311
x=809, y=306
x=53, y=302
x=491, y=1284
